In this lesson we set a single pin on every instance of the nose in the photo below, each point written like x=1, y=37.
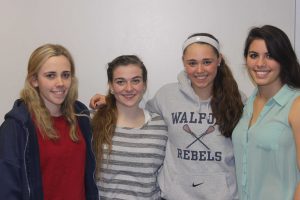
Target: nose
x=261, y=61
x=59, y=81
x=128, y=86
x=200, y=67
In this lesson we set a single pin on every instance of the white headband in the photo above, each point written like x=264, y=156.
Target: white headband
x=205, y=39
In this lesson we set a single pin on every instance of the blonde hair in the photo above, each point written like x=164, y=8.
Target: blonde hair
x=35, y=103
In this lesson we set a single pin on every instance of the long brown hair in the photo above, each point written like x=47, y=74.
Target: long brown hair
x=226, y=102
x=105, y=119
x=35, y=103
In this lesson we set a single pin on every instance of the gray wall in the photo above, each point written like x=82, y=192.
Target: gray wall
x=96, y=31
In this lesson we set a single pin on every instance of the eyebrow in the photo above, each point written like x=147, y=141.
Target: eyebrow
x=258, y=53
x=56, y=72
x=201, y=59
x=121, y=78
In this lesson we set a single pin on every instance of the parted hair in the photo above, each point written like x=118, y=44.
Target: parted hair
x=226, y=101
x=34, y=102
x=105, y=119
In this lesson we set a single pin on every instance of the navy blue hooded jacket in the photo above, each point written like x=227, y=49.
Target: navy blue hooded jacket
x=20, y=175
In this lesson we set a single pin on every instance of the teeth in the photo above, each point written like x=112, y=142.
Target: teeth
x=201, y=77
x=262, y=72
x=58, y=92
x=128, y=95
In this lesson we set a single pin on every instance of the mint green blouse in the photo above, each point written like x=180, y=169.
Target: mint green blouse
x=265, y=153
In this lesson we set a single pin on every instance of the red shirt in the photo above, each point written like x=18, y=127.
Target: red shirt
x=62, y=164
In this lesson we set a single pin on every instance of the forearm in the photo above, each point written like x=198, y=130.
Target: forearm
x=297, y=192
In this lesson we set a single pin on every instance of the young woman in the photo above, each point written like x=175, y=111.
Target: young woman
x=267, y=138
x=129, y=142
x=200, y=110
x=45, y=140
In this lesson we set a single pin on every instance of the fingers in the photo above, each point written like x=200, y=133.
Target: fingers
x=97, y=101
x=94, y=100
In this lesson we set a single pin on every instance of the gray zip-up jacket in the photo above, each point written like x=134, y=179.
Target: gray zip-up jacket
x=199, y=161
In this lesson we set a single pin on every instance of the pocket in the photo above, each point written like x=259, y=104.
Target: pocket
x=266, y=146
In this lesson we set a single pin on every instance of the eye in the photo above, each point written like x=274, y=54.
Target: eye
x=120, y=82
x=207, y=62
x=66, y=75
x=252, y=55
x=269, y=56
x=192, y=63
x=50, y=75
x=136, y=81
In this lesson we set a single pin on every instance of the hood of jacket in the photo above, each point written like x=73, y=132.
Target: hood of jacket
x=185, y=86
x=19, y=112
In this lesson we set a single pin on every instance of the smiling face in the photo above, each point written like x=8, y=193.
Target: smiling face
x=201, y=65
x=264, y=70
x=53, y=81
x=127, y=85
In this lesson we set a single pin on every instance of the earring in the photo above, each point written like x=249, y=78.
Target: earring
x=112, y=91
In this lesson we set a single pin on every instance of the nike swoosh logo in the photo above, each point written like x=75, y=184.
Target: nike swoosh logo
x=195, y=185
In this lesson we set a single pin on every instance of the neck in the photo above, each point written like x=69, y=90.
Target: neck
x=131, y=117
x=203, y=93
x=266, y=92
x=55, y=112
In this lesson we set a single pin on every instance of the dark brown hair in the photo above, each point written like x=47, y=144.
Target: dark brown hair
x=226, y=102
x=280, y=49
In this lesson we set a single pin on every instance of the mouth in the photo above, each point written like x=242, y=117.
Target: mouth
x=58, y=92
x=261, y=73
x=128, y=96
x=201, y=76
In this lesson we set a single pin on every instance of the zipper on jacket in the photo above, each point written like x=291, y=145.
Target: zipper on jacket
x=91, y=144
x=91, y=147
x=26, y=144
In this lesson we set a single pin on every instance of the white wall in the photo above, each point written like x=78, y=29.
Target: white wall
x=96, y=31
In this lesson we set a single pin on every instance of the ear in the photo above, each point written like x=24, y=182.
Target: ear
x=184, y=67
x=220, y=59
x=34, y=81
x=109, y=86
x=111, y=90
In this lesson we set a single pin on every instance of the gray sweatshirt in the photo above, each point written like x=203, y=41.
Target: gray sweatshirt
x=199, y=161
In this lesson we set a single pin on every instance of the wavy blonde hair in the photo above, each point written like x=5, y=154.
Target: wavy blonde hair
x=35, y=103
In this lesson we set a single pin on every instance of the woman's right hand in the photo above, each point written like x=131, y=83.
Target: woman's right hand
x=97, y=101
